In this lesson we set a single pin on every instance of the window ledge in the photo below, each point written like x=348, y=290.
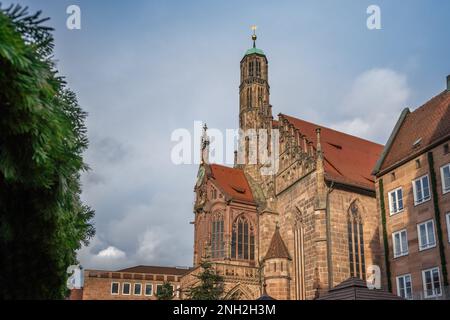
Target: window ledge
x=396, y=213
x=401, y=255
x=419, y=203
x=427, y=248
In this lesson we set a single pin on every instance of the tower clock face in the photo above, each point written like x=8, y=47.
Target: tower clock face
x=200, y=175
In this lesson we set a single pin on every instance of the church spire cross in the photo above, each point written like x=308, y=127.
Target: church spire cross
x=254, y=37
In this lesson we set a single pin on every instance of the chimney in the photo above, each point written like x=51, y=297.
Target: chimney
x=448, y=83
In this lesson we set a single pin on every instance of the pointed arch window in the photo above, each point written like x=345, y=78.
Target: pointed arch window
x=356, y=253
x=217, y=243
x=249, y=97
x=299, y=256
x=250, y=69
x=243, y=240
x=258, y=68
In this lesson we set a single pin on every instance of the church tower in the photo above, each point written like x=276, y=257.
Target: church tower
x=254, y=107
x=255, y=111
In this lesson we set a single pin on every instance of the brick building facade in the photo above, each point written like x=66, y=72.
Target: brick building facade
x=413, y=184
x=136, y=283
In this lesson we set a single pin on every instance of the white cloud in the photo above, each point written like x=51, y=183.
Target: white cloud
x=112, y=253
x=373, y=105
x=100, y=255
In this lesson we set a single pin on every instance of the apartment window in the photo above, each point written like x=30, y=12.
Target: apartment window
x=448, y=226
x=148, y=289
x=400, y=243
x=126, y=287
x=396, y=201
x=159, y=288
x=404, y=286
x=431, y=283
x=445, y=176
x=421, y=189
x=137, y=289
x=115, y=288
x=427, y=237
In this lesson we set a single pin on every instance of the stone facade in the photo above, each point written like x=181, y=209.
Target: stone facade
x=302, y=201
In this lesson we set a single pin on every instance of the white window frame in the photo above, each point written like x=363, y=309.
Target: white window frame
x=134, y=289
x=123, y=287
x=118, y=288
x=444, y=190
x=432, y=282
x=391, y=204
x=421, y=247
x=404, y=251
x=447, y=218
x=404, y=281
x=145, y=289
x=423, y=200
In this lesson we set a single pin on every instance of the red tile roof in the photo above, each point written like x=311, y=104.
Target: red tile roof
x=232, y=182
x=156, y=270
x=426, y=125
x=277, y=247
x=348, y=159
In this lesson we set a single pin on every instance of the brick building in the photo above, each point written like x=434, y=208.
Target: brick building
x=413, y=186
x=136, y=283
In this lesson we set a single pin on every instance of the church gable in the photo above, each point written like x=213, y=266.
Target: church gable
x=232, y=182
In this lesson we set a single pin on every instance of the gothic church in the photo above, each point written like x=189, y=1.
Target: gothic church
x=301, y=231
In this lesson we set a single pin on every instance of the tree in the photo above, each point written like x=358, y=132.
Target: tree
x=210, y=285
x=166, y=292
x=42, y=138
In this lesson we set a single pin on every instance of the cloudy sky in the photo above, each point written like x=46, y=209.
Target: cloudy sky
x=145, y=68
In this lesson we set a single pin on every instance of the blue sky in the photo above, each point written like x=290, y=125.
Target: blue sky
x=145, y=68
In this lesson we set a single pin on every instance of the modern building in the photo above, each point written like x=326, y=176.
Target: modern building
x=413, y=189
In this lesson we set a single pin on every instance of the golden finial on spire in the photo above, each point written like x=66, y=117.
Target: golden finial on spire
x=254, y=37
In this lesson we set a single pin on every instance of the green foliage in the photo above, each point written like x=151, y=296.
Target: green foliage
x=210, y=285
x=385, y=236
x=166, y=292
x=42, y=138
